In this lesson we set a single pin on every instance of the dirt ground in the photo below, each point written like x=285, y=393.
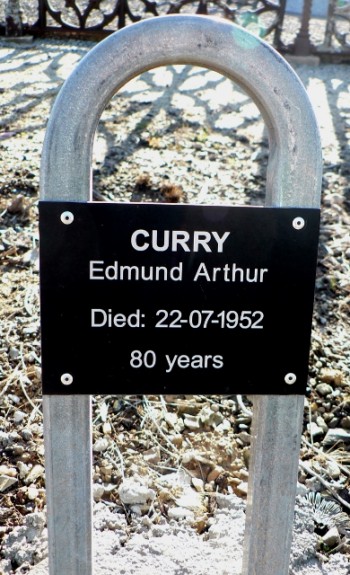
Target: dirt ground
x=185, y=135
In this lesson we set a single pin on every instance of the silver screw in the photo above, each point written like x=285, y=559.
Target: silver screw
x=67, y=218
x=66, y=379
x=298, y=223
x=290, y=378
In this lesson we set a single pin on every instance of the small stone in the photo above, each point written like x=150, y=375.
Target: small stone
x=191, y=422
x=26, y=434
x=331, y=538
x=314, y=430
x=18, y=416
x=214, y=473
x=333, y=469
x=192, y=500
x=210, y=416
x=32, y=493
x=107, y=428
x=244, y=437
x=10, y=471
x=198, y=484
x=181, y=513
x=230, y=501
x=331, y=376
x=301, y=489
x=152, y=455
x=6, y=482
x=132, y=492
x=14, y=437
x=224, y=426
x=322, y=424
x=334, y=422
x=345, y=422
x=34, y=474
x=14, y=353
x=4, y=438
x=18, y=450
x=324, y=389
x=171, y=419
x=23, y=469
x=243, y=474
x=177, y=440
x=242, y=488
x=335, y=435
x=100, y=445
x=97, y=491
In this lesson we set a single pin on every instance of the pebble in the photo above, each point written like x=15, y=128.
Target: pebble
x=334, y=376
x=335, y=435
x=107, y=428
x=331, y=538
x=198, y=484
x=27, y=434
x=214, y=473
x=333, y=422
x=333, y=469
x=324, y=389
x=152, y=455
x=192, y=500
x=100, y=445
x=34, y=474
x=10, y=471
x=23, y=469
x=14, y=437
x=345, y=422
x=322, y=424
x=301, y=489
x=132, y=492
x=244, y=438
x=97, y=491
x=314, y=430
x=177, y=440
x=6, y=482
x=18, y=416
x=32, y=493
x=14, y=353
x=171, y=419
x=181, y=513
x=191, y=422
x=4, y=438
x=210, y=415
x=242, y=488
x=224, y=426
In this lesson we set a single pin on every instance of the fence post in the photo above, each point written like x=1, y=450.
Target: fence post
x=13, y=18
x=294, y=178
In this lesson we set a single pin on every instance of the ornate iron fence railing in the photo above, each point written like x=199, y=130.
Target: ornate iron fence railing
x=292, y=26
x=100, y=17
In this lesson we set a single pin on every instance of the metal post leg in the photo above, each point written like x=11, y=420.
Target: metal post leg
x=68, y=454
x=273, y=469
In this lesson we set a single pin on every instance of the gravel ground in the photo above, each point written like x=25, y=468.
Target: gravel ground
x=188, y=135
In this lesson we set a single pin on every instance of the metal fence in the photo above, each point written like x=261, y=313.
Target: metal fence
x=292, y=26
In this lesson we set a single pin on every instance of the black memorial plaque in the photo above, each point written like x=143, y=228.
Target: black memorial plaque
x=156, y=298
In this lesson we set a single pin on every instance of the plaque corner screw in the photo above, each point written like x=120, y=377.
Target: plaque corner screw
x=298, y=223
x=66, y=379
x=290, y=378
x=67, y=218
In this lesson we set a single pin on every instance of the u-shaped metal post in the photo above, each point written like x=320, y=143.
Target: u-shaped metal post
x=293, y=180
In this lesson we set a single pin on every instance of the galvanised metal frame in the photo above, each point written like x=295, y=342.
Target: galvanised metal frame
x=294, y=179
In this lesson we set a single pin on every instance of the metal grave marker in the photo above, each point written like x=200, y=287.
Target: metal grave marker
x=176, y=298
x=90, y=302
